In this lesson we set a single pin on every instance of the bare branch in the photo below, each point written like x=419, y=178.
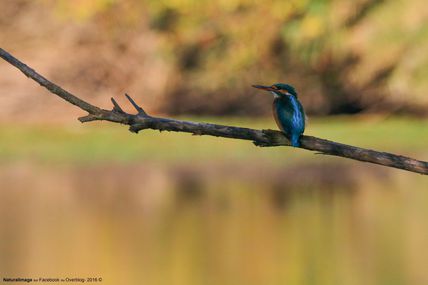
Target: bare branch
x=88, y=118
x=138, y=108
x=29, y=72
x=263, y=138
x=116, y=106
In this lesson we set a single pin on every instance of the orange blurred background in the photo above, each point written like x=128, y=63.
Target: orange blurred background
x=96, y=201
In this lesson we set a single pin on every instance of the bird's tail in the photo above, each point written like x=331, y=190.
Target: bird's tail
x=295, y=140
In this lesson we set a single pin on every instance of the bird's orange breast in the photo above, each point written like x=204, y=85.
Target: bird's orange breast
x=275, y=115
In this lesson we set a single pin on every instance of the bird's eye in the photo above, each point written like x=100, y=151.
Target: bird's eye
x=275, y=87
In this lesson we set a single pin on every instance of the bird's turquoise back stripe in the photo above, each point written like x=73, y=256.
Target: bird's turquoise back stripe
x=298, y=119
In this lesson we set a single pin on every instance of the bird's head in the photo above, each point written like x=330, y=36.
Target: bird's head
x=279, y=89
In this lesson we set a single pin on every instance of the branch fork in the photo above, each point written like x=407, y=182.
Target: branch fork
x=262, y=138
x=135, y=121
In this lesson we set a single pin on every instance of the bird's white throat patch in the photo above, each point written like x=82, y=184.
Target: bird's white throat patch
x=275, y=95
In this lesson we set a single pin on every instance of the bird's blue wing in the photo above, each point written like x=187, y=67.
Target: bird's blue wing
x=289, y=115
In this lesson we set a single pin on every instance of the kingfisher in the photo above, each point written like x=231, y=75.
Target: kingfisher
x=287, y=111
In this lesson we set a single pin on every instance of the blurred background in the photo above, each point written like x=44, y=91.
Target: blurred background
x=94, y=200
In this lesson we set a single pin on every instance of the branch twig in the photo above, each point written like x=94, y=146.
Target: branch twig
x=264, y=138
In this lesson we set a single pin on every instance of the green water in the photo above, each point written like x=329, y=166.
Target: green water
x=107, y=142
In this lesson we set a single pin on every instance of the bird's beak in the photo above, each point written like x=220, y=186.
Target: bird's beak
x=266, y=88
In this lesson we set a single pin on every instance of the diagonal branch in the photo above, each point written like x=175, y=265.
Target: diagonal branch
x=264, y=138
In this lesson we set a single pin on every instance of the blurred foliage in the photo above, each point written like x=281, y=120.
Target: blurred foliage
x=343, y=56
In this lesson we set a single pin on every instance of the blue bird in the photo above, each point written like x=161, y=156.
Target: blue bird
x=287, y=110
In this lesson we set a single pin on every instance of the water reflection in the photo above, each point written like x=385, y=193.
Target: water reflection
x=146, y=223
